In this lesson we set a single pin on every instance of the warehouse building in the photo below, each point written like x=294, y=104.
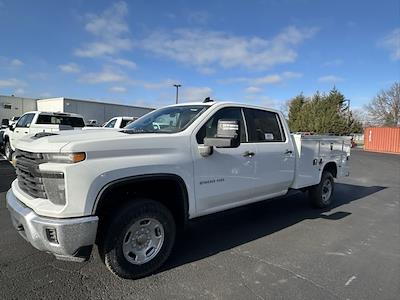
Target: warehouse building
x=11, y=106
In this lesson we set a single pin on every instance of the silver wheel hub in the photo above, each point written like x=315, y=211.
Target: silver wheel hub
x=143, y=241
x=326, y=191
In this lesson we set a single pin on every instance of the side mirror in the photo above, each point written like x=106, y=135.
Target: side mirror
x=228, y=135
x=11, y=127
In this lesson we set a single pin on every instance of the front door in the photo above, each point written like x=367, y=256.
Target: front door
x=228, y=175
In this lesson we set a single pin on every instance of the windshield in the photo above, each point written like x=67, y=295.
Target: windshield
x=166, y=120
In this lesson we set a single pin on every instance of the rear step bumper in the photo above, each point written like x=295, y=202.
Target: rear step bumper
x=67, y=239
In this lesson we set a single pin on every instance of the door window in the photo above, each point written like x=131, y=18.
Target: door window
x=25, y=120
x=264, y=126
x=209, y=129
x=111, y=124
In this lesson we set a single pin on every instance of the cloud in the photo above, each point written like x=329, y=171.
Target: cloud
x=194, y=93
x=118, y=89
x=206, y=49
x=167, y=83
x=264, y=80
x=109, y=30
x=253, y=90
x=125, y=63
x=198, y=17
x=391, y=42
x=19, y=91
x=104, y=76
x=70, y=68
x=10, y=63
x=12, y=82
x=330, y=79
x=333, y=63
x=16, y=63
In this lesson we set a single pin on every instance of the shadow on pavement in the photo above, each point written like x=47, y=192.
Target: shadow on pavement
x=222, y=231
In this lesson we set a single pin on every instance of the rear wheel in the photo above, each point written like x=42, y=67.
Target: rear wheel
x=321, y=194
x=8, y=151
x=139, y=239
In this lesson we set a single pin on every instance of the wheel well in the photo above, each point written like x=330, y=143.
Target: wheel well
x=331, y=167
x=170, y=190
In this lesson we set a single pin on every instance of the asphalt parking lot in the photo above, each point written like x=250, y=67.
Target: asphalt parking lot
x=281, y=249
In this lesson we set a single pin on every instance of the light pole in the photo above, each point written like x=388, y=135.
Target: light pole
x=177, y=91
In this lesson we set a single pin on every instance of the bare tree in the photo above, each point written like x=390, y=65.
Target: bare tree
x=384, y=109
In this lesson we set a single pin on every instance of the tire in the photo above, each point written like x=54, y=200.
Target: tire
x=321, y=194
x=8, y=152
x=130, y=245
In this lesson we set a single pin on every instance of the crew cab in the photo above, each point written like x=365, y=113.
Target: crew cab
x=119, y=122
x=37, y=121
x=129, y=191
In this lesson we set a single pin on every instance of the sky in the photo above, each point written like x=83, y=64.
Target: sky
x=258, y=52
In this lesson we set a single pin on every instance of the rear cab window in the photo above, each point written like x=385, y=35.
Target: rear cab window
x=60, y=120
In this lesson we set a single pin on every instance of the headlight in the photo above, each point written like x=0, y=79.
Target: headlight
x=54, y=186
x=66, y=158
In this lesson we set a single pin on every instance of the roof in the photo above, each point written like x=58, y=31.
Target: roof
x=94, y=101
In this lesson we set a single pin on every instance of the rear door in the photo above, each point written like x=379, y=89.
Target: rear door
x=275, y=159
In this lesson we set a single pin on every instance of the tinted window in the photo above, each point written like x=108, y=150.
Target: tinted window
x=209, y=129
x=25, y=120
x=125, y=122
x=60, y=120
x=111, y=124
x=264, y=126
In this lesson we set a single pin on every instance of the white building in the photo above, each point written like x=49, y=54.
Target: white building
x=91, y=110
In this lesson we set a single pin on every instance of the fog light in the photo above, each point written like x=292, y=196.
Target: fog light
x=51, y=234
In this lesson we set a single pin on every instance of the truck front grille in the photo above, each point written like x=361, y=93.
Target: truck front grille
x=29, y=178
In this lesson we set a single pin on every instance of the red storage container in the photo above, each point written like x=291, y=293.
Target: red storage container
x=382, y=139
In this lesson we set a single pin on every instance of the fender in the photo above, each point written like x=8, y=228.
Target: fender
x=147, y=177
x=324, y=165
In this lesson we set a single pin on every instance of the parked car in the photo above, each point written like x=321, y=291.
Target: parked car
x=119, y=122
x=36, y=122
x=4, y=125
x=129, y=191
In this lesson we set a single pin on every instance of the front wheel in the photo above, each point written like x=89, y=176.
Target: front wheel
x=321, y=194
x=139, y=239
x=8, y=151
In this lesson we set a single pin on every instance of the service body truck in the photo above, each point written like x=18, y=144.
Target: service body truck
x=129, y=191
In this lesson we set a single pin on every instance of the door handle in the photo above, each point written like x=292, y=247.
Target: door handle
x=248, y=154
x=288, y=151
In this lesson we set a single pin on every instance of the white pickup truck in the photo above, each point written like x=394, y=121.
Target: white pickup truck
x=119, y=122
x=129, y=191
x=38, y=121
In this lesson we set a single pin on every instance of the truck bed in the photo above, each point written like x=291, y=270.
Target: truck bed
x=312, y=153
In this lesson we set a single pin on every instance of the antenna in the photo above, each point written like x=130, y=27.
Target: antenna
x=208, y=100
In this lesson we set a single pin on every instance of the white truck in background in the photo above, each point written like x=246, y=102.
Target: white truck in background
x=34, y=122
x=119, y=122
x=129, y=191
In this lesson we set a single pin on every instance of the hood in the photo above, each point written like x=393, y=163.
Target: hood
x=77, y=140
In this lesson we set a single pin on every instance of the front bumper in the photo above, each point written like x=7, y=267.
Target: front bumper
x=74, y=236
